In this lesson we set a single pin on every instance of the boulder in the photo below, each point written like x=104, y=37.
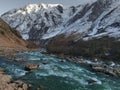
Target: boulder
x=98, y=68
x=5, y=78
x=19, y=60
x=111, y=72
x=31, y=67
x=6, y=83
x=2, y=71
x=25, y=86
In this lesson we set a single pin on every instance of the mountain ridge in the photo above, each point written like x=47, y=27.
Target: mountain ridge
x=44, y=21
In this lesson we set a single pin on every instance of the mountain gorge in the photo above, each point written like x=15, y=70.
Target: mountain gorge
x=56, y=26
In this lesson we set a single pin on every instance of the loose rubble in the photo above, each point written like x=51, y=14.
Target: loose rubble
x=109, y=68
x=7, y=83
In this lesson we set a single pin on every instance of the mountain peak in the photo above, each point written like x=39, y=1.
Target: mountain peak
x=44, y=21
x=41, y=5
x=49, y=5
x=37, y=7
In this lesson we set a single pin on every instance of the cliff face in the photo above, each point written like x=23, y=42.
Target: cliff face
x=10, y=39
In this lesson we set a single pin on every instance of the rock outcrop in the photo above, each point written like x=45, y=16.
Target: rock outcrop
x=29, y=67
x=7, y=83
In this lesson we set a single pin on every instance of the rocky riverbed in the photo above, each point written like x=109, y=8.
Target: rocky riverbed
x=111, y=68
x=7, y=83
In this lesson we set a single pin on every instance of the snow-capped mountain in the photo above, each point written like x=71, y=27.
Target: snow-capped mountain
x=34, y=16
x=44, y=21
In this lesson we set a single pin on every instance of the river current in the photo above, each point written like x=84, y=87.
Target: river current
x=58, y=74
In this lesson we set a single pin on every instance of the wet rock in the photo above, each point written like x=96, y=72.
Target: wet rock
x=25, y=86
x=45, y=63
x=2, y=71
x=98, y=68
x=6, y=83
x=81, y=62
x=90, y=81
x=29, y=85
x=117, y=70
x=40, y=88
x=19, y=83
x=62, y=60
x=19, y=60
x=105, y=69
x=110, y=72
x=31, y=67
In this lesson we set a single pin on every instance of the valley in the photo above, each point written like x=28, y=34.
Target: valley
x=53, y=47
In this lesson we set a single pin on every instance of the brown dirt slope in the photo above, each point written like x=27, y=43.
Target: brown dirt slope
x=10, y=39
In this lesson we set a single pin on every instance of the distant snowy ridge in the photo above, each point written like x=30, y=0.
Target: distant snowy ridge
x=44, y=21
x=24, y=19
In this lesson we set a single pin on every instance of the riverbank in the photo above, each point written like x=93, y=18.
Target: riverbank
x=111, y=68
x=7, y=83
x=10, y=53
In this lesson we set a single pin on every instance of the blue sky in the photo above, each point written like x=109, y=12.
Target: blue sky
x=6, y=5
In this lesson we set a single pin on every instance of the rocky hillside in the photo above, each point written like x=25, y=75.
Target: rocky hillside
x=10, y=39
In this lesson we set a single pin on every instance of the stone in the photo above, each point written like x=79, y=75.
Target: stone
x=6, y=83
x=19, y=88
x=40, y=88
x=2, y=71
x=98, y=68
x=90, y=81
x=29, y=85
x=19, y=83
x=5, y=78
x=31, y=67
x=25, y=86
x=19, y=60
x=110, y=72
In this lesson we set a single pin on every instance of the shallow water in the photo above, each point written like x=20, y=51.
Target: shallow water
x=57, y=75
